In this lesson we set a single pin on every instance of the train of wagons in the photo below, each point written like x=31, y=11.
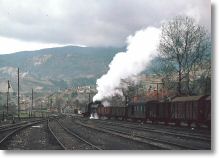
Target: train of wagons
x=188, y=109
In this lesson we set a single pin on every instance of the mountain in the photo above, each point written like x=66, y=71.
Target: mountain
x=51, y=69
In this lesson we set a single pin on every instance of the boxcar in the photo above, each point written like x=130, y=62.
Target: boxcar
x=206, y=116
x=119, y=112
x=136, y=111
x=189, y=109
x=163, y=113
x=104, y=111
x=152, y=110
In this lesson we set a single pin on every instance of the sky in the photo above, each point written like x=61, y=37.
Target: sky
x=37, y=24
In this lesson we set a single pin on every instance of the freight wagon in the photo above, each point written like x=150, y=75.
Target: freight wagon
x=188, y=109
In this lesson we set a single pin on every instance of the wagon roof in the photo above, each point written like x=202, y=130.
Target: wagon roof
x=144, y=102
x=187, y=98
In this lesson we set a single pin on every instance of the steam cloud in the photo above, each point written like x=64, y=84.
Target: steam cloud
x=142, y=46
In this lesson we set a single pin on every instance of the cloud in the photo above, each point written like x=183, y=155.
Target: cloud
x=9, y=45
x=91, y=22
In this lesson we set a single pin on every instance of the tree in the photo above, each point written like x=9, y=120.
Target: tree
x=183, y=46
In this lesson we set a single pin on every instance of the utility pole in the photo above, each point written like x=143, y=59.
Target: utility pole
x=51, y=105
x=18, y=99
x=48, y=106
x=8, y=96
x=31, y=104
x=41, y=108
x=89, y=97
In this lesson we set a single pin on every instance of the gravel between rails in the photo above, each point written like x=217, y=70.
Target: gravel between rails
x=168, y=128
x=35, y=137
x=68, y=141
x=179, y=132
x=104, y=140
x=188, y=143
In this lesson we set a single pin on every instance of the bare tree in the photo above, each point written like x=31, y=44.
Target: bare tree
x=183, y=45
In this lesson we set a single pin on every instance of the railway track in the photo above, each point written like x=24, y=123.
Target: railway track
x=162, y=143
x=67, y=139
x=157, y=145
x=200, y=137
x=106, y=141
x=8, y=131
x=11, y=126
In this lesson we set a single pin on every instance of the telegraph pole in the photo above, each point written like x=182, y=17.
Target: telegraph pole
x=31, y=104
x=8, y=96
x=18, y=90
x=41, y=108
x=89, y=97
x=51, y=104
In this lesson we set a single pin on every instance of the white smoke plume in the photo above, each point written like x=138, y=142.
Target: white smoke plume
x=142, y=47
x=106, y=103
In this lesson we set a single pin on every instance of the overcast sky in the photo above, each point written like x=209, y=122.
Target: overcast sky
x=35, y=24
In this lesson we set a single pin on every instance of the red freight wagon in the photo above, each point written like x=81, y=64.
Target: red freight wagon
x=152, y=108
x=104, y=111
x=164, y=112
x=189, y=109
x=119, y=112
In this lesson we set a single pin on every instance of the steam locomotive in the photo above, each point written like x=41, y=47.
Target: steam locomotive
x=188, y=109
x=91, y=108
